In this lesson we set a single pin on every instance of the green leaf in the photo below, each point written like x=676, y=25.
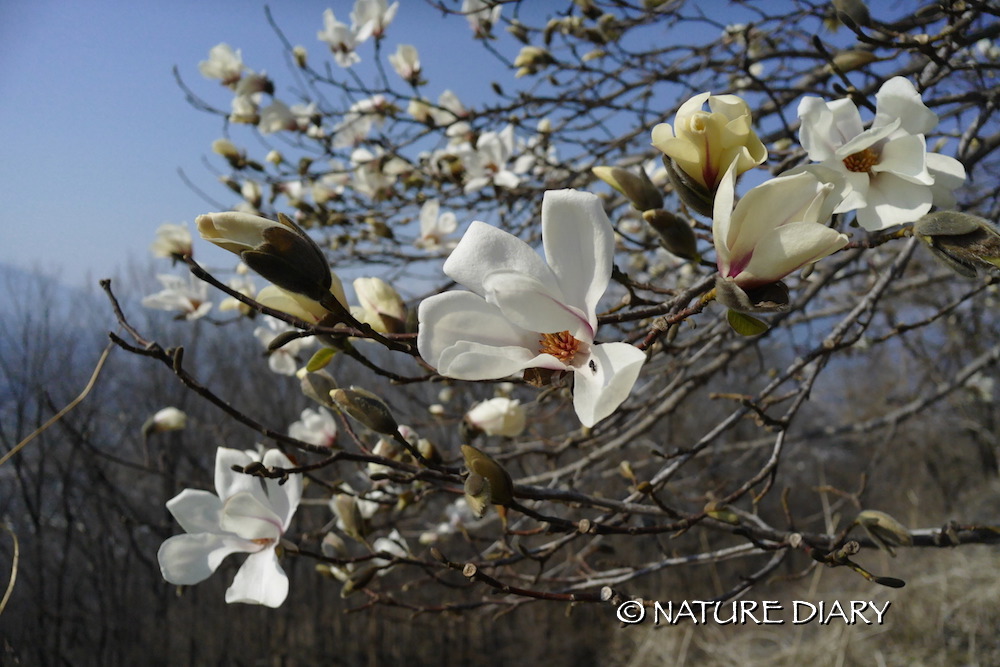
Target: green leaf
x=320, y=359
x=745, y=325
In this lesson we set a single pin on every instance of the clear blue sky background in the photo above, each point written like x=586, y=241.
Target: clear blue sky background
x=95, y=128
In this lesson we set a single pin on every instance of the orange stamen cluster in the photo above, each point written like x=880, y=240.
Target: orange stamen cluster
x=560, y=345
x=861, y=161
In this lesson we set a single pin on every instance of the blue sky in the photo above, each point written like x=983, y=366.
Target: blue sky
x=95, y=127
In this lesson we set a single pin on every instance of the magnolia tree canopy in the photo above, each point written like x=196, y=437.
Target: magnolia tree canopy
x=599, y=310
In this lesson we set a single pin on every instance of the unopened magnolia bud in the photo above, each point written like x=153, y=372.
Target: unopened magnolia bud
x=274, y=157
x=428, y=450
x=228, y=150
x=317, y=386
x=167, y=419
x=351, y=521
x=962, y=241
x=477, y=494
x=853, y=11
x=367, y=408
x=852, y=59
x=676, y=235
x=637, y=188
x=500, y=485
x=772, y=298
x=533, y=58
x=279, y=251
x=884, y=530
x=301, y=55
x=357, y=581
x=691, y=192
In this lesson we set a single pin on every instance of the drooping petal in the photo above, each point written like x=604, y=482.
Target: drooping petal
x=284, y=498
x=446, y=319
x=579, y=247
x=722, y=219
x=196, y=511
x=482, y=246
x=190, y=559
x=528, y=303
x=246, y=516
x=260, y=581
x=789, y=248
x=604, y=382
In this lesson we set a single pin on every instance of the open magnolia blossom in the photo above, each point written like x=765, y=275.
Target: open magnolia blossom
x=189, y=296
x=498, y=416
x=246, y=514
x=775, y=229
x=524, y=312
x=370, y=18
x=887, y=174
x=172, y=241
x=341, y=39
x=703, y=144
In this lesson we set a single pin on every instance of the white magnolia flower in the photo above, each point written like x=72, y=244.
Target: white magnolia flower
x=406, y=62
x=525, y=313
x=316, y=427
x=434, y=225
x=284, y=360
x=393, y=544
x=187, y=296
x=223, y=64
x=172, y=241
x=498, y=416
x=888, y=175
x=359, y=121
x=370, y=18
x=341, y=39
x=246, y=514
x=776, y=228
x=482, y=15
x=488, y=162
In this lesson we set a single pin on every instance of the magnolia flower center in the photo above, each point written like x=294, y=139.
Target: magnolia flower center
x=264, y=541
x=560, y=345
x=861, y=161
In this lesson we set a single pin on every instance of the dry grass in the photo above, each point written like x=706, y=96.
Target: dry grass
x=948, y=614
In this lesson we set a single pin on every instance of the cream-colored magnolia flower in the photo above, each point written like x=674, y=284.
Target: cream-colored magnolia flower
x=223, y=64
x=406, y=62
x=703, y=144
x=498, y=416
x=776, y=228
x=173, y=241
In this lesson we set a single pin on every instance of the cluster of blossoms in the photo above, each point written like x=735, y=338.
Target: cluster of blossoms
x=521, y=312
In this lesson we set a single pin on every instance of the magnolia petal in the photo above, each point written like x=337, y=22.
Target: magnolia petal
x=898, y=99
x=186, y=560
x=483, y=245
x=579, y=247
x=856, y=196
x=468, y=360
x=260, y=581
x=787, y=249
x=527, y=303
x=905, y=156
x=283, y=498
x=249, y=518
x=948, y=174
x=196, y=511
x=866, y=139
x=722, y=216
x=779, y=201
x=893, y=201
x=446, y=319
x=228, y=482
x=605, y=381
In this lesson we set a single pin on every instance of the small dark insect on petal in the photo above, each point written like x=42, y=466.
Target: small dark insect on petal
x=593, y=366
